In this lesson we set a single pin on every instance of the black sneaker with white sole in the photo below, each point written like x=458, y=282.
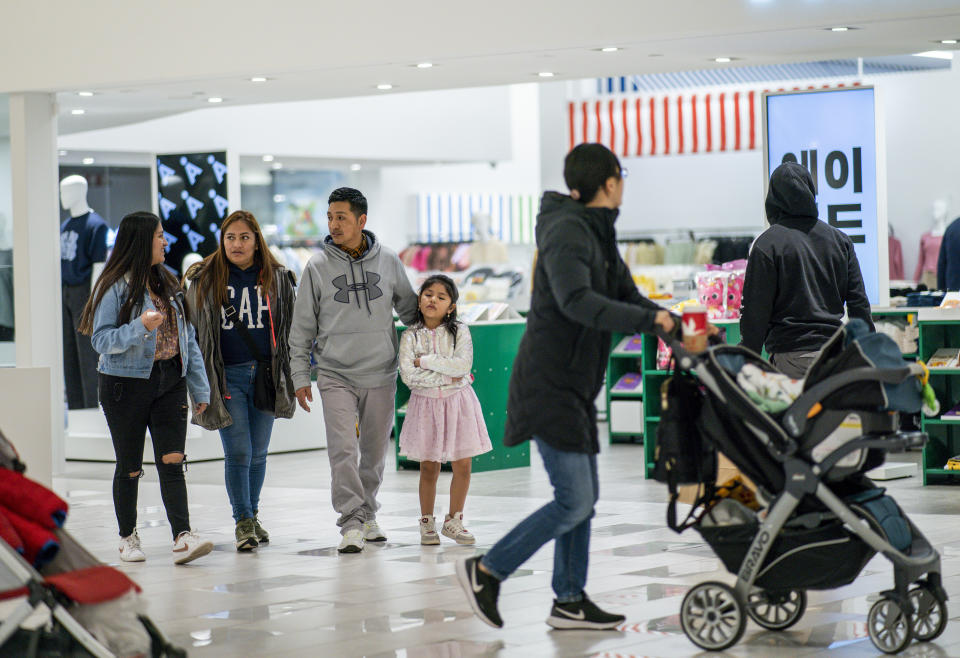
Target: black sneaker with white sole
x=584, y=615
x=481, y=589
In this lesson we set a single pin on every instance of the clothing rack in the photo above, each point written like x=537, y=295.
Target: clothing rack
x=693, y=234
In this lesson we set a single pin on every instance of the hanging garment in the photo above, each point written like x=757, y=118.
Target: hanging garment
x=929, y=253
x=896, y=259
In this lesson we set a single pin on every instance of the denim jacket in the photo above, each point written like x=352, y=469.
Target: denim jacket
x=127, y=350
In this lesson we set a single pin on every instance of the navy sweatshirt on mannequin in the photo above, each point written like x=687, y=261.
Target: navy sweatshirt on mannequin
x=244, y=293
x=83, y=242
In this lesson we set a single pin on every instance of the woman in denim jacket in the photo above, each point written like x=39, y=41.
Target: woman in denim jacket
x=149, y=358
x=244, y=275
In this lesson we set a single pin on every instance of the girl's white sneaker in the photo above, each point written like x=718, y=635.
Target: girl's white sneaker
x=453, y=528
x=428, y=531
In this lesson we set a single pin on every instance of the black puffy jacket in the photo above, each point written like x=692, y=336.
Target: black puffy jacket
x=582, y=290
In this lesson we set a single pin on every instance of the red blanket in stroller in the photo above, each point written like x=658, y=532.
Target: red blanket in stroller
x=29, y=512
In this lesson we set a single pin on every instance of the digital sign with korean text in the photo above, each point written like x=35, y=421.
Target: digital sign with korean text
x=833, y=134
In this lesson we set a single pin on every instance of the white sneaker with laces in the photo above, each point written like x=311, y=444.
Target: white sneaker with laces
x=130, y=550
x=352, y=541
x=372, y=531
x=453, y=528
x=189, y=547
x=428, y=531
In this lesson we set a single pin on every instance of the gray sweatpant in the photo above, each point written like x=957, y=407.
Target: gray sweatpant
x=356, y=463
x=793, y=364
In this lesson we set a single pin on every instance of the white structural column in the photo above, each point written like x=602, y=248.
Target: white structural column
x=36, y=264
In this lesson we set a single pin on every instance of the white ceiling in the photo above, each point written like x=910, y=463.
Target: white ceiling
x=145, y=61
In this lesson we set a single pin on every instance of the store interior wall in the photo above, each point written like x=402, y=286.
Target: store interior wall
x=920, y=115
x=460, y=125
x=512, y=139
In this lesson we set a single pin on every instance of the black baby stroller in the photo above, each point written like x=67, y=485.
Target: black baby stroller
x=91, y=609
x=825, y=519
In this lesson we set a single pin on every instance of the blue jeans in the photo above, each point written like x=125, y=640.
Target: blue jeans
x=245, y=442
x=566, y=520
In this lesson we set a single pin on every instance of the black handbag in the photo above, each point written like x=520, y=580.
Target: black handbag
x=683, y=456
x=264, y=389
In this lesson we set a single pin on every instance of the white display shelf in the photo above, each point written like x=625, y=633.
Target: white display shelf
x=88, y=438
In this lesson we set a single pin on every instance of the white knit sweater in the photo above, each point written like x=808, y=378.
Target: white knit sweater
x=444, y=369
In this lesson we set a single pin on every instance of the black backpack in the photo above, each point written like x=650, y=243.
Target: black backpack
x=683, y=456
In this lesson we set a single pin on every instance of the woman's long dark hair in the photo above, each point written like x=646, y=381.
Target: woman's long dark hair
x=132, y=255
x=450, y=321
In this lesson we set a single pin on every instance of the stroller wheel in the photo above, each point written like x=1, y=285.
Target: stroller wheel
x=776, y=611
x=712, y=617
x=930, y=614
x=889, y=628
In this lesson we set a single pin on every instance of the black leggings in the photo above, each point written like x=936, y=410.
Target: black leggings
x=132, y=405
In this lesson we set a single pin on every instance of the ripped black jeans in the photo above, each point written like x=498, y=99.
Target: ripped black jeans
x=132, y=405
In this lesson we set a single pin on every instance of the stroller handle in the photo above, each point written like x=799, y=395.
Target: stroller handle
x=795, y=419
x=686, y=360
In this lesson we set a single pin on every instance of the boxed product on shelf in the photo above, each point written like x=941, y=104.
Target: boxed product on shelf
x=953, y=415
x=945, y=357
x=631, y=382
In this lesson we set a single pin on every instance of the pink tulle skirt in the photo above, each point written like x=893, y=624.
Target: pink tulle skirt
x=444, y=429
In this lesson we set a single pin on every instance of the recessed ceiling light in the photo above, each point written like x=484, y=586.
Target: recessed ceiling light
x=936, y=54
x=258, y=78
x=425, y=65
x=722, y=60
x=84, y=93
x=268, y=158
x=385, y=87
x=356, y=166
x=88, y=161
x=609, y=49
x=279, y=198
x=948, y=42
x=840, y=28
x=78, y=111
x=61, y=153
x=277, y=165
x=545, y=74
x=214, y=99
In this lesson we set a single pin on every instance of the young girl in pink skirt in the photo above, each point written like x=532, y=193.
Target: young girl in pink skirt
x=444, y=422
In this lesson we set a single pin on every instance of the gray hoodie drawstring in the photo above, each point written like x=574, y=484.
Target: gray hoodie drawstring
x=366, y=299
x=354, y=277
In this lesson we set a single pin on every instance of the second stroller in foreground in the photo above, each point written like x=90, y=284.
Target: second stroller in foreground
x=826, y=519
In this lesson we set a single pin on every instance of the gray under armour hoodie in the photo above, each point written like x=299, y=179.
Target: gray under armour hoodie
x=344, y=315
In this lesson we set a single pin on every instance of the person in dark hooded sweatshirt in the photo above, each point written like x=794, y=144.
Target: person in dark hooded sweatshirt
x=582, y=290
x=800, y=273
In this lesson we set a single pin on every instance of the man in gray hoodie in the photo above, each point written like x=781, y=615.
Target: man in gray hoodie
x=344, y=317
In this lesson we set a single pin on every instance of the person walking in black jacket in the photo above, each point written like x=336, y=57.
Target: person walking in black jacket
x=582, y=290
x=800, y=273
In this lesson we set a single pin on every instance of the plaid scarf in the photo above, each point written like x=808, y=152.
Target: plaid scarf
x=359, y=251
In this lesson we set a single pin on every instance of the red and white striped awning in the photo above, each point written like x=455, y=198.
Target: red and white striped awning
x=674, y=123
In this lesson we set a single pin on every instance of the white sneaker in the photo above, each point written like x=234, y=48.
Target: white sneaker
x=428, y=531
x=130, y=550
x=372, y=532
x=352, y=541
x=189, y=547
x=453, y=528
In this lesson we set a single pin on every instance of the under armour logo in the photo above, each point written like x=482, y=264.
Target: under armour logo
x=344, y=289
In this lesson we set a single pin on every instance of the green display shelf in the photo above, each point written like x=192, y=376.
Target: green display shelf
x=944, y=435
x=495, y=346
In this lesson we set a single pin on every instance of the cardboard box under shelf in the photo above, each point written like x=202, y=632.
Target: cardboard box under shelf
x=725, y=470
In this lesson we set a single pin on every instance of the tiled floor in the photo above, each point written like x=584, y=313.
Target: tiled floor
x=298, y=597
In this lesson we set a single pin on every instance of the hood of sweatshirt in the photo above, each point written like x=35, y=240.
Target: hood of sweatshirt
x=791, y=193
